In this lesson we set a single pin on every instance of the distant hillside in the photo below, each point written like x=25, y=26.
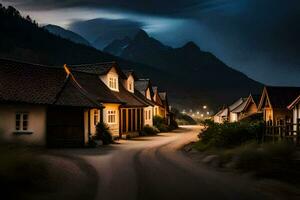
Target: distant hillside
x=74, y=37
x=189, y=80
x=195, y=74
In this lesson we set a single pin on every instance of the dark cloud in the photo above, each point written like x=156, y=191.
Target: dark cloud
x=143, y=6
x=258, y=37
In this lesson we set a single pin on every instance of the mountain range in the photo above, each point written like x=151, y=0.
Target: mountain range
x=191, y=76
x=70, y=35
x=193, y=72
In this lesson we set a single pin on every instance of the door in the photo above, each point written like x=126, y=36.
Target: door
x=65, y=127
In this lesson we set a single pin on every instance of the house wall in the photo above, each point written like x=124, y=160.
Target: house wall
x=217, y=119
x=148, y=121
x=268, y=114
x=112, y=73
x=36, y=123
x=233, y=117
x=93, y=123
x=114, y=128
x=129, y=84
x=252, y=109
x=148, y=94
x=282, y=115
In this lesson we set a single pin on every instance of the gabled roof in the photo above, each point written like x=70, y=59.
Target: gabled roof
x=294, y=103
x=98, y=68
x=96, y=88
x=164, y=97
x=72, y=94
x=37, y=84
x=143, y=98
x=279, y=97
x=224, y=112
x=241, y=107
x=92, y=83
x=129, y=72
x=129, y=99
x=158, y=100
x=142, y=84
x=236, y=104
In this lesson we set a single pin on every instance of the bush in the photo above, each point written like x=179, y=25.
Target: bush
x=173, y=125
x=103, y=133
x=160, y=124
x=230, y=135
x=148, y=130
x=270, y=161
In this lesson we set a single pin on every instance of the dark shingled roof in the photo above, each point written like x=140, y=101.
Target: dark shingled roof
x=141, y=85
x=72, y=94
x=97, y=68
x=96, y=88
x=143, y=98
x=37, y=84
x=90, y=81
x=129, y=98
x=281, y=97
x=129, y=72
x=29, y=83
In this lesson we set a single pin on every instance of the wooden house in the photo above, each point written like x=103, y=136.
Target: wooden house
x=144, y=87
x=41, y=105
x=295, y=108
x=273, y=104
x=248, y=108
x=222, y=116
x=234, y=110
x=124, y=117
x=165, y=102
x=159, y=108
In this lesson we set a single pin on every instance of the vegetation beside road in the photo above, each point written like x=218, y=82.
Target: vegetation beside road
x=183, y=119
x=238, y=146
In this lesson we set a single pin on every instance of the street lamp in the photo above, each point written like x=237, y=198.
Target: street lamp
x=204, y=107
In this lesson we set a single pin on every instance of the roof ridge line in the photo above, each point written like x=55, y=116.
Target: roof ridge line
x=97, y=63
x=29, y=63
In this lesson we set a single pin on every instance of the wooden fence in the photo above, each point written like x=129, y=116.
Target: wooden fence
x=288, y=132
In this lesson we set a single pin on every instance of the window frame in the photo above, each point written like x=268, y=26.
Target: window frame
x=96, y=117
x=22, y=121
x=111, y=117
x=113, y=82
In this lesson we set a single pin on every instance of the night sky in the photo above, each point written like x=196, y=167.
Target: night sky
x=258, y=37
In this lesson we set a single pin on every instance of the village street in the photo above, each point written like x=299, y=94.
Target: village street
x=155, y=168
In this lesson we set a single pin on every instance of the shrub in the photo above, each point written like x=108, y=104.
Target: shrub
x=157, y=120
x=269, y=160
x=173, y=125
x=103, y=133
x=229, y=135
x=160, y=124
x=149, y=130
x=163, y=127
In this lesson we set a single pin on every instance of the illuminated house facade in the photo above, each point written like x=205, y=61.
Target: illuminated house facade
x=61, y=106
x=159, y=108
x=144, y=87
x=274, y=102
x=44, y=106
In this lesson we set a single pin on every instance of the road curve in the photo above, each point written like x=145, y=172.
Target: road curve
x=153, y=168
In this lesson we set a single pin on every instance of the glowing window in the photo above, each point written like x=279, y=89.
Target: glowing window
x=111, y=116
